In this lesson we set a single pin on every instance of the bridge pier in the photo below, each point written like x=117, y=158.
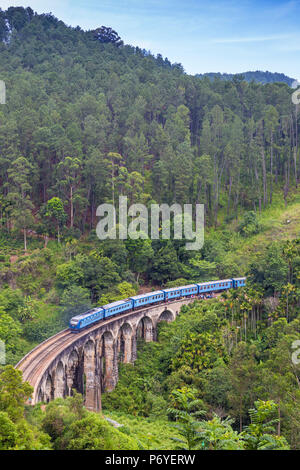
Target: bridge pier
x=92, y=383
x=110, y=363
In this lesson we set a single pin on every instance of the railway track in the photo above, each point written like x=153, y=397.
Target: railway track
x=26, y=362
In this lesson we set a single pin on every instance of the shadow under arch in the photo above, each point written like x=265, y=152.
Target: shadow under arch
x=49, y=390
x=73, y=373
x=145, y=329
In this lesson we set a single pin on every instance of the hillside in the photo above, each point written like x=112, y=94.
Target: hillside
x=258, y=77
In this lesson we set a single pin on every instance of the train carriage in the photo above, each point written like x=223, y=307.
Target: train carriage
x=147, y=299
x=189, y=290
x=117, y=307
x=172, y=293
x=213, y=286
x=239, y=282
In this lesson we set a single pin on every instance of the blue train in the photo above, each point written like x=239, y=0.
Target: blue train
x=203, y=289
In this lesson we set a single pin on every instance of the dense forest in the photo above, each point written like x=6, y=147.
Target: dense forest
x=258, y=77
x=87, y=119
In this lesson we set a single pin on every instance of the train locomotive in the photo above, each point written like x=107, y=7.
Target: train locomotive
x=202, y=290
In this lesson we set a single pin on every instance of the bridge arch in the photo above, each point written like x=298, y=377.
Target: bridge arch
x=72, y=374
x=167, y=315
x=145, y=329
x=49, y=389
x=40, y=395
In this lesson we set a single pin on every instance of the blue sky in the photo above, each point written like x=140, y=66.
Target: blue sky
x=204, y=35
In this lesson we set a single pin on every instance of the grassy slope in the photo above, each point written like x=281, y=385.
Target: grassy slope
x=278, y=223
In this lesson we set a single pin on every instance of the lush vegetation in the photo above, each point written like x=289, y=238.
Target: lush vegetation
x=89, y=119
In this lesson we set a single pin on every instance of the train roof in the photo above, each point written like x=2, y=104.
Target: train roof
x=141, y=296
x=170, y=289
x=87, y=314
x=116, y=303
x=239, y=278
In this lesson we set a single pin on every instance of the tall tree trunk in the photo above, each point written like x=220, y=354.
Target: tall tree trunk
x=293, y=145
x=71, y=207
x=257, y=182
x=264, y=175
x=229, y=193
x=25, y=239
x=271, y=170
x=279, y=420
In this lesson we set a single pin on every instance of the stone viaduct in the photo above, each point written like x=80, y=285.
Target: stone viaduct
x=88, y=361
